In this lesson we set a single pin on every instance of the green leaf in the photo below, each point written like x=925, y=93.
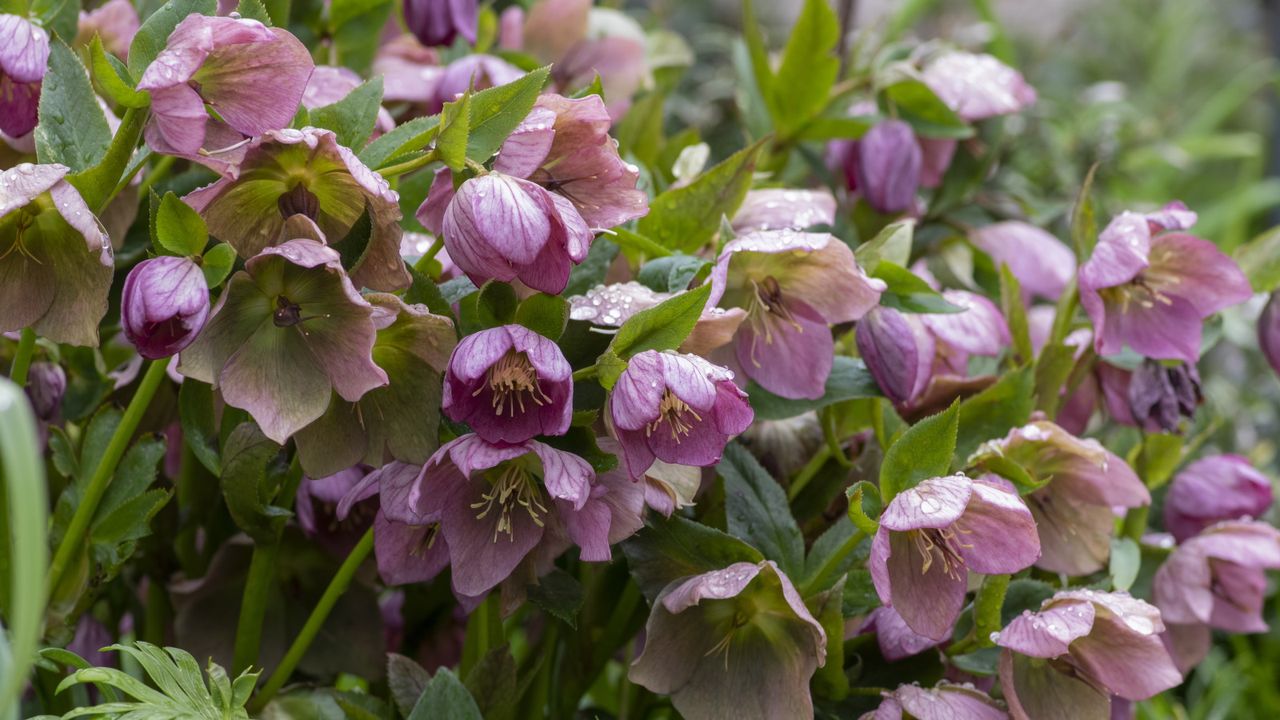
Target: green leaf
x=834, y=128
x=406, y=680
x=1022, y=595
x=908, y=293
x=1126, y=560
x=923, y=451
x=254, y=10
x=445, y=698
x=411, y=136
x=639, y=132
x=356, y=26
x=830, y=680
x=455, y=126
x=685, y=218
x=1084, y=226
x=663, y=326
x=829, y=559
x=247, y=485
x=217, y=263
x=892, y=244
x=757, y=511
x=113, y=79
x=995, y=411
x=544, y=314
x=195, y=409
x=1160, y=455
x=559, y=594
x=672, y=548
x=591, y=272
x=72, y=130
x=496, y=111
x=179, y=228
x=496, y=304
x=672, y=273
x=608, y=368
x=1015, y=314
x=57, y=16
x=758, y=55
x=925, y=111
x=849, y=379
x=1053, y=368
x=1260, y=260
x=862, y=493
x=353, y=117
x=809, y=66
x=154, y=33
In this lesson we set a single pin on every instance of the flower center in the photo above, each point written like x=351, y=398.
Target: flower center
x=299, y=201
x=511, y=380
x=766, y=300
x=677, y=414
x=25, y=220
x=513, y=488
x=287, y=313
x=942, y=545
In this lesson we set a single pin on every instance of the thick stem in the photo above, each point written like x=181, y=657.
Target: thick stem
x=101, y=478
x=22, y=360
x=336, y=588
x=97, y=185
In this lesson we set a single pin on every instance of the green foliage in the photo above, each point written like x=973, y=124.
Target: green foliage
x=353, y=117
x=995, y=411
x=411, y=136
x=72, y=130
x=544, y=314
x=559, y=594
x=908, y=293
x=923, y=451
x=672, y=548
x=455, y=125
x=217, y=263
x=757, y=511
x=661, y=327
x=925, y=111
x=112, y=78
x=155, y=30
x=445, y=698
x=179, y=229
x=355, y=26
x=685, y=218
x=892, y=244
x=249, y=484
x=495, y=112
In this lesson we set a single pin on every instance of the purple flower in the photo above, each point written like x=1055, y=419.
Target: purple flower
x=977, y=87
x=932, y=535
x=55, y=257
x=946, y=701
x=316, y=505
x=440, y=22
x=476, y=72
x=409, y=547
x=24, y=58
x=793, y=285
x=980, y=329
x=509, y=384
x=898, y=350
x=676, y=408
x=254, y=76
x=1074, y=510
x=1152, y=290
x=1097, y=645
x=410, y=72
x=737, y=642
x=163, y=305
x=785, y=209
x=1221, y=487
x=1042, y=264
x=287, y=330
x=499, y=227
x=115, y=21
x=888, y=166
x=1269, y=331
x=896, y=640
x=1217, y=578
x=287, y=173
x=1155, y=396
x=46, y=386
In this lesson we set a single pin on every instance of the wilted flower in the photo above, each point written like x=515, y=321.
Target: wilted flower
x=1083, y=483
x=785, y=209
x=287, y=330
x=1152, y=289
x=163, y=305
x=471, y=72
x=55, y=257
x=946, y=701
x=509, y=384
x=1212, y=489
x=1155, y=396
x=1217, y=577
x=1042, y=264
x=792, y=285
x=609, y=306
x=896, y=640
x=440, y=22
x=933, y=534
x=676, y=408
x=115, y=21
x=306, y=172
x=24, y=58
x=1082, y=647
x=732, y=644
x=888, y=166
x=898, y=351
x=1269, y=331
x=252, y=75
x=977, y=86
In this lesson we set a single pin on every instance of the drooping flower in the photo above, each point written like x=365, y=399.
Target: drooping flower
x=1212, y=489
x=1269, y=331
x=977, y=86
x=785, y=209
x=286, y=173
x=1217, y=578
x=1084, y=481
x=895, y=639
x=898, y=351
x=509, y=384
x=115, y=21
x=252, y=75
x=1150, y=287
x=440, y=22
x=979, y=329
x=1082, y=647
x=888, y=166
x=676, y=408
x=732, y=644
x=163, y=306
x=945, y=701
x=933, y=534
x=316, y=506
x=287, y=330
x=409, y=547
x=24, y=58
x=792, y=285
x=46, y=386
x=1155, y=396
x=609, y=306
x=669, y=487
x=1042, y=264
x=55, y=257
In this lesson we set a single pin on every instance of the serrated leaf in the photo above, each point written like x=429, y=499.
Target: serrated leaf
x=496, y=111
x=353, y=117
x=406, y=680
x=451, y=144
x=1015, y=314
x=445, y=698
x=757, y=511
x=154, y=33
x=179, y=228
x=923, y=451
x=73, y=131
x=112, y=77
x=254, y=10
x=409, y=137
x=663, y=326
x=559, y=594
x=246, y=482
x=672, y=548
x=672, y=273
x=544, y=314
x=995, y=411
x=809, y=66
x=685, y=218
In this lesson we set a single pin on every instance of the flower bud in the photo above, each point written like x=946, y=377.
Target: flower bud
x=46, y=384
x=898, y=352
x=1213, y=489
x=164, y=305
x=889, y=165
x=1161, y=395
x=24, y=56
x=1269, y=331
x=440, y=22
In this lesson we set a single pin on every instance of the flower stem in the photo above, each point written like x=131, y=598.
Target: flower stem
x=424, y=263
x=585, y=373
x=97, y=185
x=101, y=478
x=818, y=579
x=22, y=360
x=409, y=166
x=336, y=588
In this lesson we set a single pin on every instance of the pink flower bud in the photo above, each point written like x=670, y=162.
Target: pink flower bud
x=889, y=166
x=164, y=305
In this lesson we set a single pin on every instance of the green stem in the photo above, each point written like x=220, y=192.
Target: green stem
x=809, y=470
x=424, y=262
x=155, y=174
x=97, y=184
x=336, y=588
x=409, y=166
x=816, y=581
x=22, y=360
x=101, y=478
x=585, y=373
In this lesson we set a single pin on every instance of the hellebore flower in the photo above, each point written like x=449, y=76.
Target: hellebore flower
x=252, y=75
x=409, y=547
x=509, y=384
x=410, y=72
x=896, y=640
x=475, y=72
x=1217, y=578
x=980, y=329
x=609, y=306
x=287, y=330
x=792, y=285
x=1269, y=331
x=977, y=87
x=1152, y=289
x=888, y=166
x=46, y=386
x=564, y=146
x=440, y=22
x=316, y=505
x=785, y=209
x=669, y=487
x=163, y=306
x=499, y=227
x=732, y=644
x=1082, y=647
x=1082, y=480
x=931, y=536
x=1155, y=396
x=55, y=257
x=898, y=351
x=1042, y=264
x=24, y=58
x=115, y=21
x=676, y=408
x=412, y=348
x=946, y=701
x=1212, y=489
x=286, y=173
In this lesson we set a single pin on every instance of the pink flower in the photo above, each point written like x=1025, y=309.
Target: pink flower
x=24, y=58
x=163, y=305
x=888, y=166
x=439, y=22
x=1212, y=489
x=1042, y=264
x=115, y=21
x=785, y=209
x=977, y=87
x=899, y=352
x=897, y=641
x=945, y=701
x=476, y=72
x=1217, y=578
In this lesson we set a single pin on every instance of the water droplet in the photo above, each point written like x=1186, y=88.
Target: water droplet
x=930, y=505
